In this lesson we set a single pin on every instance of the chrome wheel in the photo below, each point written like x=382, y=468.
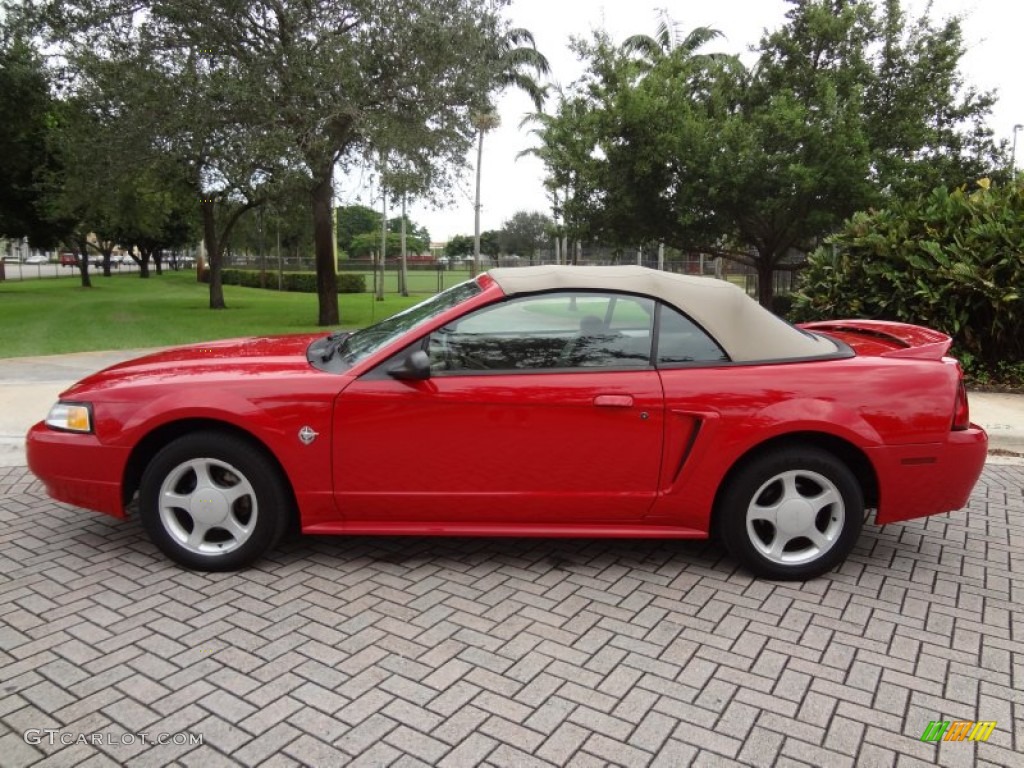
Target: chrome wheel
x=208, y=506
x=795, y=517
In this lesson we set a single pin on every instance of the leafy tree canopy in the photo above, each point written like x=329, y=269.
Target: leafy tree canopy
x=525, y=233
x=356, y=220
x=848, y=105
x=368, y=244
x=27, y=107
x=459, y=245
x=246, y=93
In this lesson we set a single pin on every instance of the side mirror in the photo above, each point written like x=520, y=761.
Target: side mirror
x=416, y=366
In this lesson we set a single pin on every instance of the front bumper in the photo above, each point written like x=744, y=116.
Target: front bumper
x=77, y=468
x=919, y=480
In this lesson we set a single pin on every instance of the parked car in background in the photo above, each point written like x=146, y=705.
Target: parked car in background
x=71, y=260
x=37, y=258
x=179, y=261
x=593, y=402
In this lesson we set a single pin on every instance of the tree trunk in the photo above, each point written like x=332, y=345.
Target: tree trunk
x=83, y=262
x=765, y=280
x=144, y=255
x=107, y=249
x=212, y=255
x=403, y=274
x=383, y=232
x=475, y=269
x=323, y=239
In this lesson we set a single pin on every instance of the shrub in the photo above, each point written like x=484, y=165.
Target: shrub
x=296, y=282
x=349, y=282
x=952, y=261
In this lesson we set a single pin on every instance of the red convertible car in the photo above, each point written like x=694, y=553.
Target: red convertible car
x=538, y=401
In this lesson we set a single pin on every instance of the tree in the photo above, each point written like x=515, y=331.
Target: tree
x=167, y=106
x=575, y=171
x=927, y=127
x=490, y=243
x=283, y=87
x=780, y=183
x=669, y=38
x=412, y=230
x=75, y=191
x=901, y=118
x=368, y=243
x=355, y=220
x=27, y=106
x=525, y=234
x=459, y=245
x=711, y=156
x=154, y=213
x=517, y=62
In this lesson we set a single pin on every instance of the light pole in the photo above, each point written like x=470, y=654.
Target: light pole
x=1013, y=152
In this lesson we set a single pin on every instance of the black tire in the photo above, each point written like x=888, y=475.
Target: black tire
x=821, y=506
x=233, y=502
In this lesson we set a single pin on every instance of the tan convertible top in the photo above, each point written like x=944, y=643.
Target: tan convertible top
x=746, y=331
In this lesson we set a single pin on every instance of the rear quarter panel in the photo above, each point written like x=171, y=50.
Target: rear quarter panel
x=872, y=403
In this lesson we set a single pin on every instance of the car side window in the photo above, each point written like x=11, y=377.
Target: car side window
x=550, y=331
x=682, y=341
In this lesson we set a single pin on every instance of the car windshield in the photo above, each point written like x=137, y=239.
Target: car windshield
x=368, y=340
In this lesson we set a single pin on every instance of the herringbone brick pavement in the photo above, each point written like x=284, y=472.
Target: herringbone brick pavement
x=508, y=652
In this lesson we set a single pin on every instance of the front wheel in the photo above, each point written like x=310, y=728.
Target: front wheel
x=213, y=502
x=792, y=514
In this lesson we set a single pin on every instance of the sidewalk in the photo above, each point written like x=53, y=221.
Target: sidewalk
x=30, y=385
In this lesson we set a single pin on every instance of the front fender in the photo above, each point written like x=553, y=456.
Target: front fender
x=274, y=420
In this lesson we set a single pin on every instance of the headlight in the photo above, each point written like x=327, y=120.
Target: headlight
x=72, y=417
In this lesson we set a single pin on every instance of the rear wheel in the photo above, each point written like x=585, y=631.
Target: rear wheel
x=792, y=514
x=213, y=502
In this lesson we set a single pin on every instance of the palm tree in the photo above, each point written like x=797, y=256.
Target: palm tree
x=518, y=64
x=483, y=122
x=670, y=40
x=552, y=152
x=669, y=37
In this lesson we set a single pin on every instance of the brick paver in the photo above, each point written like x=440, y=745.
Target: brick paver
x=508, y=652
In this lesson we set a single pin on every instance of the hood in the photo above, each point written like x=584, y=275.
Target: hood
x=205, y=363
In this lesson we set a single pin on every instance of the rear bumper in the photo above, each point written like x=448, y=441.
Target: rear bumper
x=77, y=469
x=919, y=480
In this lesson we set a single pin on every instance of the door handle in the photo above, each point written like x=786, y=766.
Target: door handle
x=613, y=401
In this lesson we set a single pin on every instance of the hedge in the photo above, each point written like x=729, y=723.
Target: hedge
x=295, y=282
x=953, y=260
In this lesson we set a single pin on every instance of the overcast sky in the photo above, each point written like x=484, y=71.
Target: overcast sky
x=992, y=28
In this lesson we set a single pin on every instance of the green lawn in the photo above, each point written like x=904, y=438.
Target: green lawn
x=45, y=317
